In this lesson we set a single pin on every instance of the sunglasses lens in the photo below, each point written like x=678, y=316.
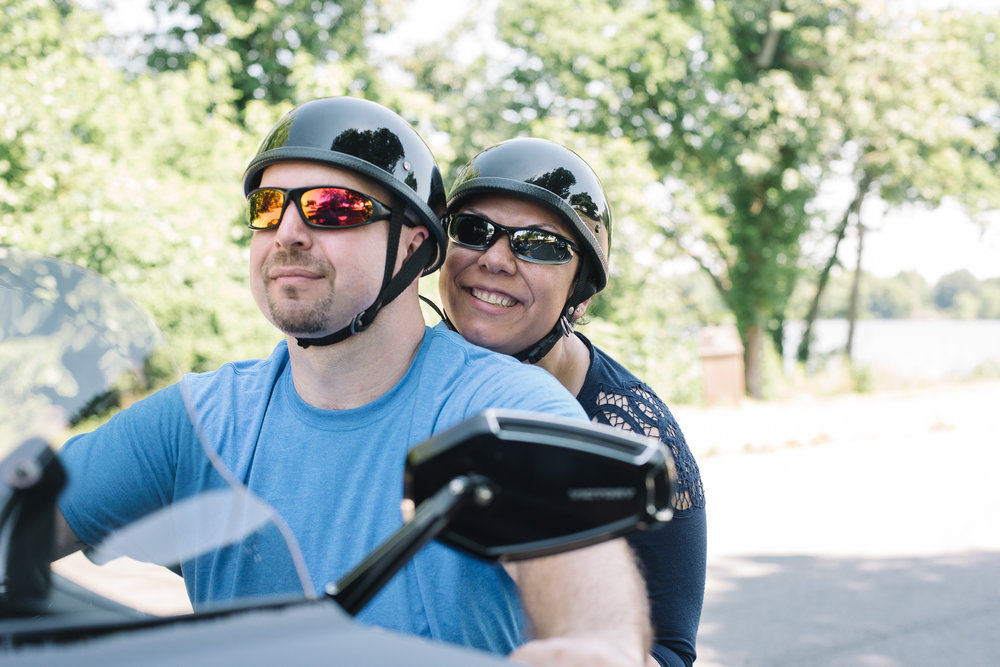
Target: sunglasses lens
x=336, y=207
x=471, y=231
x=332, y=208
x=265, y=208
x=539, y=246
x=532, y=245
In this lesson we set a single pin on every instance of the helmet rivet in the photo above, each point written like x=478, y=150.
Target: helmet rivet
x=597, y=228
x=406, y=165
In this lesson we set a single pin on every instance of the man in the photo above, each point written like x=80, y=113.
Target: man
x=345, y=200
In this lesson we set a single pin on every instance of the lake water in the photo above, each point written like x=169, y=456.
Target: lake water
x=907, y=349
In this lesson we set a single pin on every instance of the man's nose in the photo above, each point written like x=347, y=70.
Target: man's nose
x=292, y=230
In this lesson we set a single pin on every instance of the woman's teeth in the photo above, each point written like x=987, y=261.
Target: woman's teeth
x=493, y=298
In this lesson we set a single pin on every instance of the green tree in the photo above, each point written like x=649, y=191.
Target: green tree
x=902, y=296
x=958, y=294
x=647, y=308
x=990, y=299
x=722, y=101
x=273, y=51
x=744, y=109
x=132, y=178
x=916, y=102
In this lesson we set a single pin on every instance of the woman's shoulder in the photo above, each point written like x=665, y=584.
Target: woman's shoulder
x=607, y=371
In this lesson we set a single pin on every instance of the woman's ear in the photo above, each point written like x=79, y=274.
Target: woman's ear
x=579, y=311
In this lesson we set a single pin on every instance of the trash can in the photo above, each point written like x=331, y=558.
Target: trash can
x=721, y=352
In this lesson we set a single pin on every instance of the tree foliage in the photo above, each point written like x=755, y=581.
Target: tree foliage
x=717, y=129
x=907, y=295
x=918, y=112
x=958, y=293
x=269, y=49
x=724, y=103
x=744, y=109
x=133, y=179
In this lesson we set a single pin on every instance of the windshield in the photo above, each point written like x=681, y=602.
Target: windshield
x=74, y=350
x=72, y=346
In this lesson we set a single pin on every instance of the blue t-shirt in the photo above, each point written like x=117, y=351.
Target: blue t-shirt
x=335, y=476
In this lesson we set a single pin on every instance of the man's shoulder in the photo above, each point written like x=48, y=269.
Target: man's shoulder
x=478, y=378
x=243, y=376
x=247, y=368
x=448, y=347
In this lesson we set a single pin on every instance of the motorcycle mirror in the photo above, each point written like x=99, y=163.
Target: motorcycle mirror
x=513, y=485
x=30, y=480
x=554, y=485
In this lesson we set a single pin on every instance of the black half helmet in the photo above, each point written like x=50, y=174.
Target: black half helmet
x=365, y=137
x=555, y=176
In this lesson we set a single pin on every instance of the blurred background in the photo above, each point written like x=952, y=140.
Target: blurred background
x=805, y=192
x=805, y=266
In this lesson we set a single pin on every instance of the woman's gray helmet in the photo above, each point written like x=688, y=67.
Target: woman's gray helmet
x=555, y=176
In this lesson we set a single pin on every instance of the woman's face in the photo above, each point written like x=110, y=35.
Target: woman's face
x=495, y=299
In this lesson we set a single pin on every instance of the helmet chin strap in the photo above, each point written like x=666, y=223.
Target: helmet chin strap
x=535, y=353
x=392, y=286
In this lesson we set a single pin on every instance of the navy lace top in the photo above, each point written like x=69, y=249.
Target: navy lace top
x=672, y=556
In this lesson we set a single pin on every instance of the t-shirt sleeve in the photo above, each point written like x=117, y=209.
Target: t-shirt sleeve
x=125, y=468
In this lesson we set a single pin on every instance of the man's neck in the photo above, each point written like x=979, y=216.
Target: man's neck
x=356, y=371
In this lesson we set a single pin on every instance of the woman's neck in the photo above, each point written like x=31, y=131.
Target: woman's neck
x=568, y=361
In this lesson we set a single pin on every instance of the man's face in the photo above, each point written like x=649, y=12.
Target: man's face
x=307, y=281
x=495, y=299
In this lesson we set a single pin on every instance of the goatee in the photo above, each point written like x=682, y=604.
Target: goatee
x=289, y=311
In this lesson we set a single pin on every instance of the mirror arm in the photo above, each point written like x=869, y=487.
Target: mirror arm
x=358, y=586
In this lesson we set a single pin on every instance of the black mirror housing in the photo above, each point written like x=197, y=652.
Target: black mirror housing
x=553, y=484
x=31, y=478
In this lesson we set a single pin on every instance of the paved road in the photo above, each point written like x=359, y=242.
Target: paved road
x=863, y=531
x=859, y=531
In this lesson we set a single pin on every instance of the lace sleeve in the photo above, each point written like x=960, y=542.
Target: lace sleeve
x=636, y=408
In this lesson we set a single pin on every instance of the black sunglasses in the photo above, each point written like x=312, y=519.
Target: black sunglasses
x=323, y=207
x=528, y=243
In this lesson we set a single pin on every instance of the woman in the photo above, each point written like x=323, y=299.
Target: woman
x=521, y=297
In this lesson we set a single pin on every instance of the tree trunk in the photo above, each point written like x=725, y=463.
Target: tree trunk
x=766, y=56
x=853, y=212
x=753, y=348
x=852, y=310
